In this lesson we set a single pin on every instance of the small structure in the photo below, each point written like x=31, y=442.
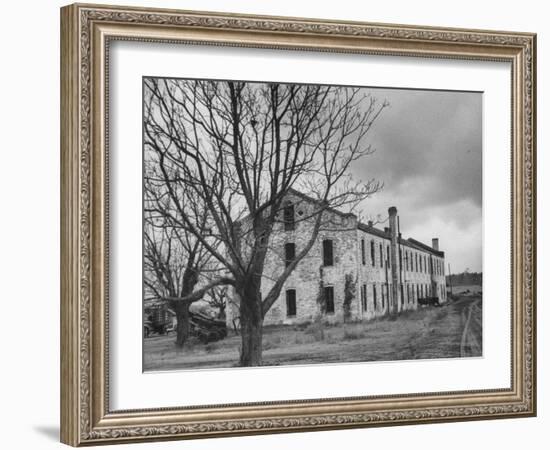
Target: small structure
x=158, y=318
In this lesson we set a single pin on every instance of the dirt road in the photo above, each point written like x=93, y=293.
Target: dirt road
x=450, y=331
x=471, y=316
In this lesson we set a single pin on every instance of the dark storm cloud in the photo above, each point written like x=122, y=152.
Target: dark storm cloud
x=429, y=157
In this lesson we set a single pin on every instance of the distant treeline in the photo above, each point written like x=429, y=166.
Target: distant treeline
x=465, y=278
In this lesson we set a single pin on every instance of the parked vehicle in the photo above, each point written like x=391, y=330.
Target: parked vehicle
x=429, y=301
x=207, y=329
x=158, y=320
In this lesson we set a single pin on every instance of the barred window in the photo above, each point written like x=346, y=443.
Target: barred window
x=328, y=258
x=288, y=214
x=291, y=302
x=290, y=253
x=329, y=299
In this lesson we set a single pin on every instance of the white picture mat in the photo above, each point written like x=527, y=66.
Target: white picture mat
x=132, y=389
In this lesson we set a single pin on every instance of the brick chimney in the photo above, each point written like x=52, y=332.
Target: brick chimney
x=435, y=244
x=394, y=257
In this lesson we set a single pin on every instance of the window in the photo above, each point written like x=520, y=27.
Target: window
x=364, y=297
x=406, y=260
x=290, y=253
x=288, y=214
x=328, y=259
x=374, y=295
x=416, y=261
x=402, y=296
x=417, y=292
x=372, y=256
x=425, y=264
x=383, y=296
x=291, y=302
x=381, y=256
x=363, y=257
x=388, y=255
x=329, y=299
x=400, y=258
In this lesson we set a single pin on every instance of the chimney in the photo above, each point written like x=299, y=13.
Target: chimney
x=394, y=301
x=393, y=221
x=369, y=223
x=435, y=244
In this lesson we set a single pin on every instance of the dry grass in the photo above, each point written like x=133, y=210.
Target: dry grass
x=431, y=332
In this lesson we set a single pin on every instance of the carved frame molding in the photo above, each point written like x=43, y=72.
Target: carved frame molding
x=86, y=31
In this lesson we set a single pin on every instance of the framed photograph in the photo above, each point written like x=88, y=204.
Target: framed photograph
x=275, y=224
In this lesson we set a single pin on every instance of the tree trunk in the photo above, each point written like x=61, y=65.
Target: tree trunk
x=251, y=325
x=182, y=327
x=190, y=278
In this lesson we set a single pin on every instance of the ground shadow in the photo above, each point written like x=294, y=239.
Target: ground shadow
x=50, y=431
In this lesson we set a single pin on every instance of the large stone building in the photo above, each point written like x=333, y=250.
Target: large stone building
x=354, y=271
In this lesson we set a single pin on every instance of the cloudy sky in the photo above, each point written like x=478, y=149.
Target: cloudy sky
x=429, y=157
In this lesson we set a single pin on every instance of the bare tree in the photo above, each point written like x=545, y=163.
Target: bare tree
x=217, y=299
x=239, y=149
x=175, y=261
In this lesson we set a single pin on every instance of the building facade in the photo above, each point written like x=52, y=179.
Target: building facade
x=354, y=271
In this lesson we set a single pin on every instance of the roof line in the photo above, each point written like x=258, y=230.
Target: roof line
x=314, y=200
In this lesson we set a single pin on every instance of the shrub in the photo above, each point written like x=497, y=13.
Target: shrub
x=349, y=295
x=350, y=335
x=317, y=330
x=273, y=342
x=211, y=346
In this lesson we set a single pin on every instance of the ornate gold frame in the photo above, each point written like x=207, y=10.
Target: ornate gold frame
x=86, y=31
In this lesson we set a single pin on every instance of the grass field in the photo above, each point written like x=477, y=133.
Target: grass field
x=430, y=332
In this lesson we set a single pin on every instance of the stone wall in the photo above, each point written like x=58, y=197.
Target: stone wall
x=374, y=274
x=310, y=276
x=424, y=275
x=369, y=275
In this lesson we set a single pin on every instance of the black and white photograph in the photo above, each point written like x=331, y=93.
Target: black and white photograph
x=296, y=224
